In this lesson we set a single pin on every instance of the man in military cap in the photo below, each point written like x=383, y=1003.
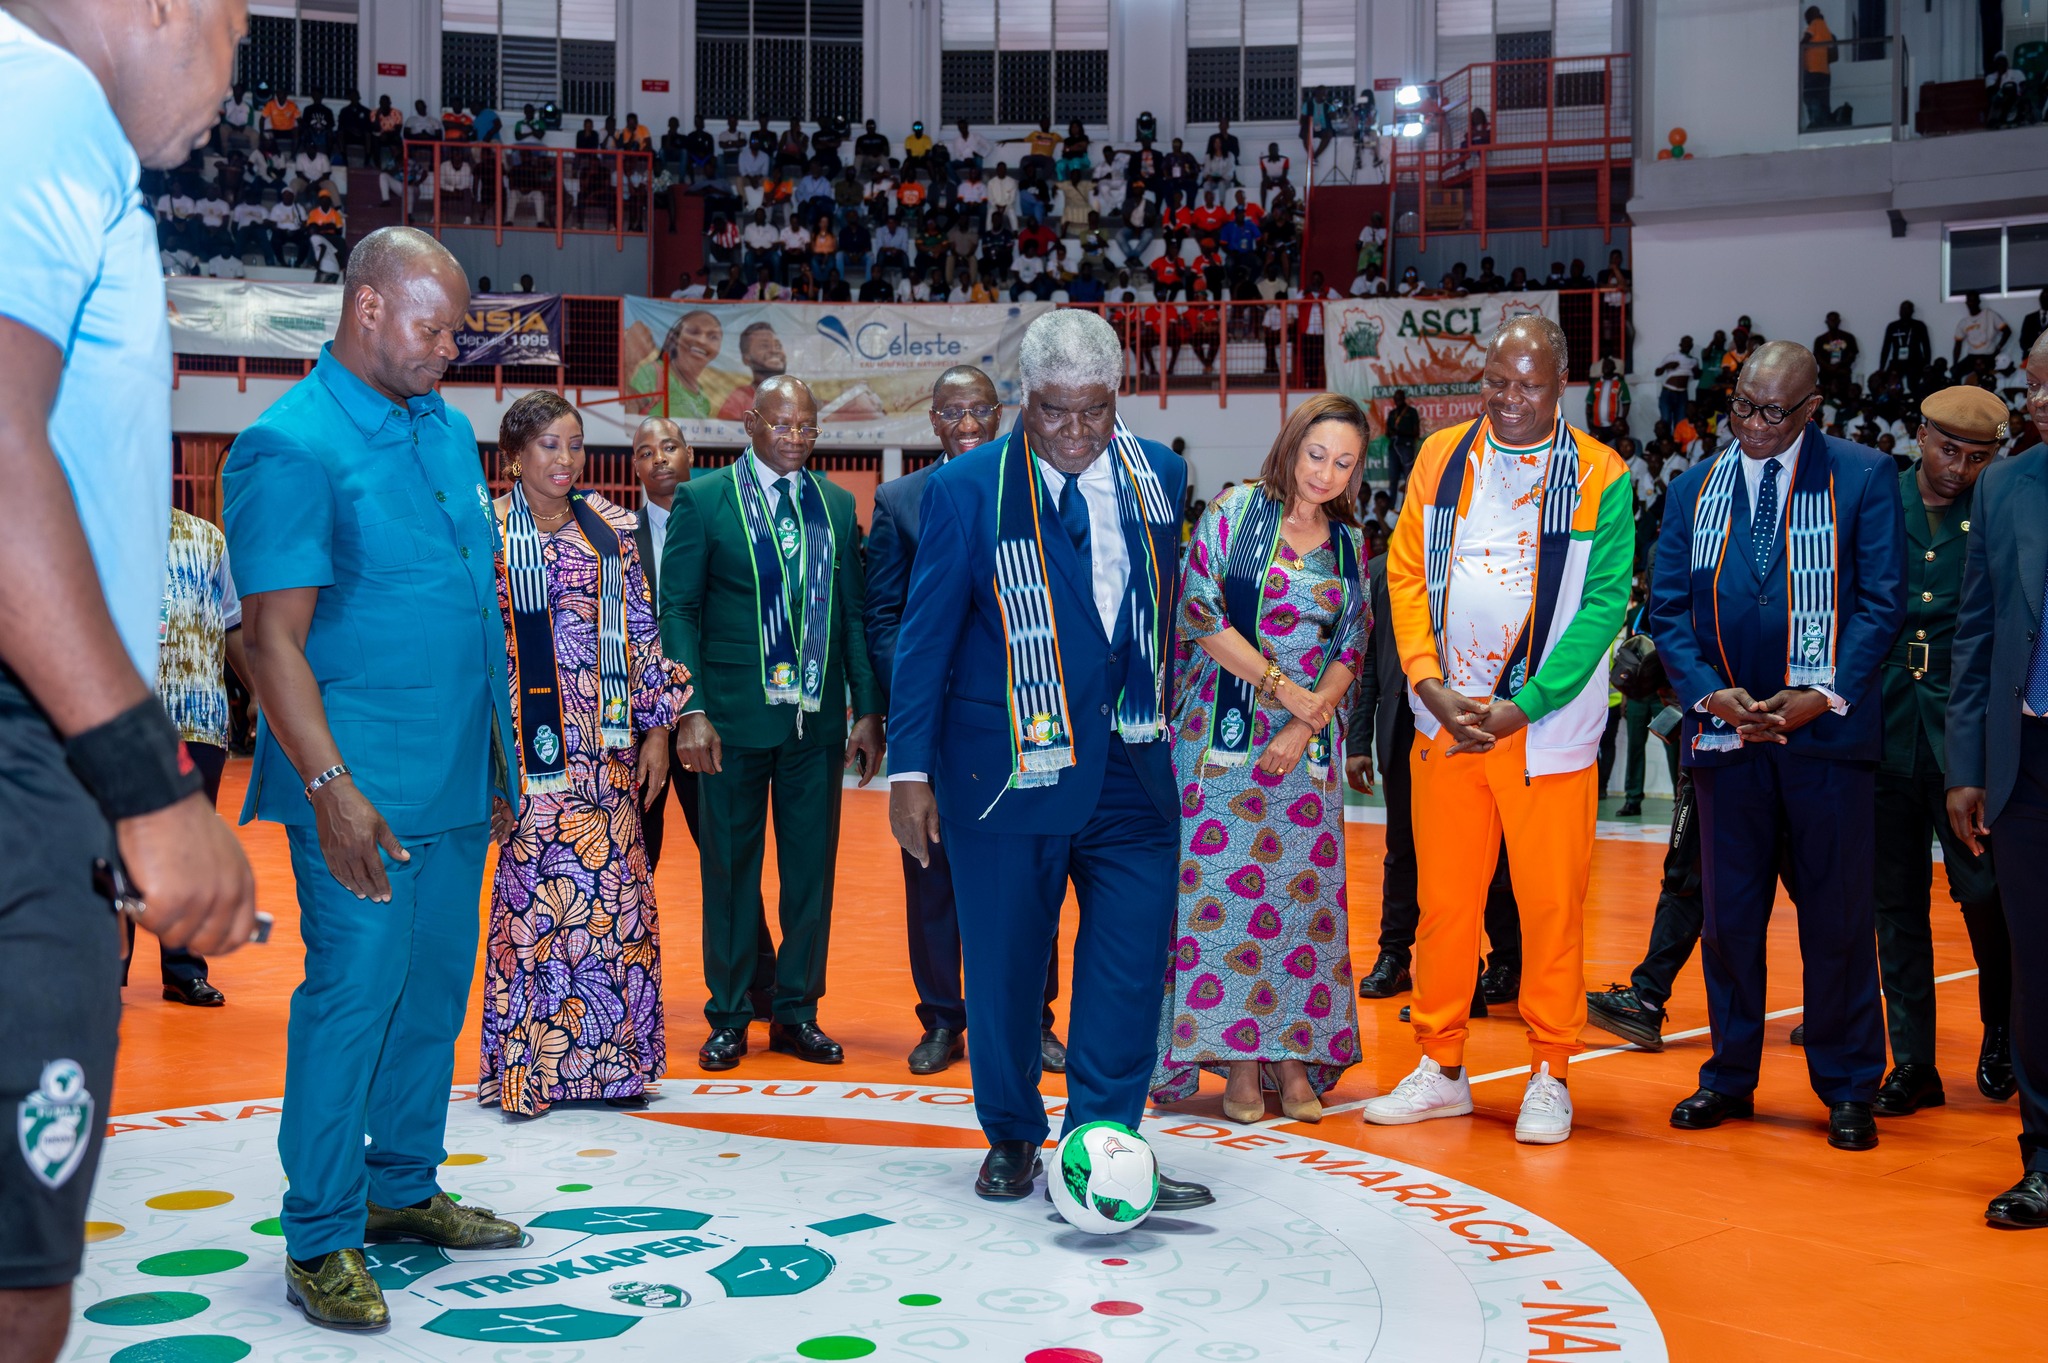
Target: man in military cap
x=1961, y=431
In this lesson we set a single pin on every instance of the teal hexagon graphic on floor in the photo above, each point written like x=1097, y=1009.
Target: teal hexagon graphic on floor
x=396, y=1266
x=618, y=1220
x=773, y=1271
x=531, y=1324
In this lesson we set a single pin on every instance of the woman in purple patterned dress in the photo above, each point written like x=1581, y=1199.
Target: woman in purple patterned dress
x=572, y=963
x=1273, y=622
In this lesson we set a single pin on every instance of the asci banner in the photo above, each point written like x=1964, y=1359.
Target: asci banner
x=871, y=366
x=292, y=321
x=1430, y=348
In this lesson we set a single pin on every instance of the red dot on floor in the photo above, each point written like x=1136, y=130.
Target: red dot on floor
x=1116, y=1263
x=1063, y=1355
x=1117, y=1308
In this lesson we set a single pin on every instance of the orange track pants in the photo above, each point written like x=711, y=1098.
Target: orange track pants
x=1462, y=806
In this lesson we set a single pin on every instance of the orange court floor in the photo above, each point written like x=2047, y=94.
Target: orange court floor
x=1754, y=1241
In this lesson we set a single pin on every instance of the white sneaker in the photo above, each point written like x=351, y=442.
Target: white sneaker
x=1546, y=1110
x=1423, y=1095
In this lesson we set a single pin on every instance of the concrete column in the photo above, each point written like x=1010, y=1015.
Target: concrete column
x=892, y=462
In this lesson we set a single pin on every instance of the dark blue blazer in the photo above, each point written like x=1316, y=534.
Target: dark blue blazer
x=1995, y=628
x=892, y=547
x=1871, y=603
x=949, y=705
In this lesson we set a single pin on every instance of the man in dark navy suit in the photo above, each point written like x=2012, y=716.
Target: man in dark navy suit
x=1029, y=737
x=1775, y=598
x=1998, y=758
x=966, y=411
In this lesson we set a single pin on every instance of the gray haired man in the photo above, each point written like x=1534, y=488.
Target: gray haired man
x=1030, y=692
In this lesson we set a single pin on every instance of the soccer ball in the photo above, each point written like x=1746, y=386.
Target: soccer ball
x=1104, y=1179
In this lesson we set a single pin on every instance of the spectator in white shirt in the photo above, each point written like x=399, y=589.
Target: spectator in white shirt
x=310, y=168
x=1369, y=284
x=250, y=218
x=325, y=260
x=1980, y=336
x=967, y=147
x=287, y=231
x=973, y=197
x=1678, y=370
x=225, y=266
x=234, y=118
x=421, y=126
x=1272, y=171
x=458, y=186
x=795, y=243
x=754, y=163
x=1002, y=190
x=177, y=261
x=690, y=288
x=763, y=244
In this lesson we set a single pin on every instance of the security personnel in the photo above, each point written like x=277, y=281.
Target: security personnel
x=1961, y=431
x=364, y=545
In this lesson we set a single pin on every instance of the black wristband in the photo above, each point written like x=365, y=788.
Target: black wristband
x=134, y=764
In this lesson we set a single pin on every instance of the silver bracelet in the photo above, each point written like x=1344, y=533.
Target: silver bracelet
x=333, y=773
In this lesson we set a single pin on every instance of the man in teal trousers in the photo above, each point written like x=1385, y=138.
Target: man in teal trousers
x=357, y=504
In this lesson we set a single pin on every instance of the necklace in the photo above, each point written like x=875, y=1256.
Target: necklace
x=556, y=518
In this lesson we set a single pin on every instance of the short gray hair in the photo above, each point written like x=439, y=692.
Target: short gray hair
x=385, y=258
x=1546, y=331
x=1071, y=347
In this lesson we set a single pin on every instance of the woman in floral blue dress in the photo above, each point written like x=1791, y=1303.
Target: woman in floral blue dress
x=1273, y=622
x=572, y=962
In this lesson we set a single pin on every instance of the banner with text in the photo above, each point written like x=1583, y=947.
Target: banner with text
x=292, y=321
x=1430, y=348
x=870, y=366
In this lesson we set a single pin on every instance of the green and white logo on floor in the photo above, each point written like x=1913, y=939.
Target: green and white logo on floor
x=774, y=1222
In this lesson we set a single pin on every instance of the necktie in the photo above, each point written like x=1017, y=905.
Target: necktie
x=1763, y=527
x=1074, y=516
x=789, y=542
x=2037, y=666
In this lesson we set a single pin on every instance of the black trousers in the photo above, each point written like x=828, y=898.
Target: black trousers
x=932, y=916
x=1400, y=908
x=180, y=966
x=652, y=819
x=1911, y=812
x=1607, y=747
x=2019, y=849
x=1675, y=931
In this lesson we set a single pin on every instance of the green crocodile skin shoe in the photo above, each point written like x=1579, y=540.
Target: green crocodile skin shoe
x=341, y=1296
x=443, y=1222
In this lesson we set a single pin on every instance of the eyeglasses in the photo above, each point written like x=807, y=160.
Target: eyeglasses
x=954, y=415
x=793, y=432
x=1773, y=414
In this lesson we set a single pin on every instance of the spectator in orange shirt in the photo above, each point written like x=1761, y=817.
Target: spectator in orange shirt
x=1816, y=58
x=281, y=112
x=910, y=195
x=457, y=126
x=326, y=220
x=1198, y=326
x=635, y=137
x=1166, y=276
x=1210, y=217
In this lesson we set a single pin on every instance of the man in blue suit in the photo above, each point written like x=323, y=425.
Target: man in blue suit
x=1998, y=757
x=1029, y=737
x=966, y=411
x=1775, y=597
x=364, y=543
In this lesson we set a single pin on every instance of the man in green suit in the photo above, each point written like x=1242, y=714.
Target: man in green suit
x=761, y=600
x=1961, y=430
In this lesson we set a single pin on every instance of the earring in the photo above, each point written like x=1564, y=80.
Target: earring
x=512, y=470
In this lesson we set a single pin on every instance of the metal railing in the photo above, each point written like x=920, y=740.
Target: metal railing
x=1523, y=119
x=486, y=185
x=1171, y=348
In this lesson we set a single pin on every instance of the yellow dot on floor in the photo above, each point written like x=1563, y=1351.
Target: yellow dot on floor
x=596, y=1154
x=465, y=1159
x=96, y=1231
x=729, y=1154
x=192, y=1200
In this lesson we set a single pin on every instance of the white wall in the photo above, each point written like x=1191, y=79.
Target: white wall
x=1788, y=272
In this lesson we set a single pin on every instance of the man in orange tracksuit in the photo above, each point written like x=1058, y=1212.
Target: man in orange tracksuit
x=1508, y=577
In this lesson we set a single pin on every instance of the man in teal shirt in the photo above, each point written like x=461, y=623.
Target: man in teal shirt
x=358, y=505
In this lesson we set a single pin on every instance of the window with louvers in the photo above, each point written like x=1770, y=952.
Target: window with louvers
x=469, y=70
x=722, y=78
x=967, y=86
x=1213, y=83
x=778, y=78
x=779, y=59
x=1527, y=84
x=1023, y=87
x=1081, y=86
x=589, y=77
x=835, y=80
x=1023, y=61
x=268, y=56
x=327, y=56
x=1272, y=83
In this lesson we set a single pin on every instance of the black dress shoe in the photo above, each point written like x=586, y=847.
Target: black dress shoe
x=2024, y=1206
x=1620, y=1010
x=1707, y=1109
x=1907, y=1089
x=936, y=1049
x=1851, y=1127
x=723, y=1048
x=804, y=1041
x=1389, y=976
x=632, y=1102
x=1995, y=1079
x=1501, y=984
x=1176, y=1196
x=197, y=993
x=1052, y=1052
x=1799, y=1035
x=1629, y=809
x=1007, y=1171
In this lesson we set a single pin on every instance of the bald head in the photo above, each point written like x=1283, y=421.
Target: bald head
x=1522, y=379
x=1520, y=332
x=1782, y=365
x=403, y=297
x=1778, y=377
x=786, y=403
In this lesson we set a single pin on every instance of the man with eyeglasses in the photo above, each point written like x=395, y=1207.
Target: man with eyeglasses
x=761, y=601
x=965, y=413
x=1997, y=740
x=1775, y=598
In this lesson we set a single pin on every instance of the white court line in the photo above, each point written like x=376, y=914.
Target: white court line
x=1686, y=1035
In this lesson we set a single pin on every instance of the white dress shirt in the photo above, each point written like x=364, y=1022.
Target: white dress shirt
x=1109, y=558
x=657, y=536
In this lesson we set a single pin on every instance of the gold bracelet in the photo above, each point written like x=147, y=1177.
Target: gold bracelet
x=1269, y=685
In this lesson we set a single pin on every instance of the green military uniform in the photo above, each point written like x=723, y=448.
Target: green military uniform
x=1912, y=793
x=711, y=623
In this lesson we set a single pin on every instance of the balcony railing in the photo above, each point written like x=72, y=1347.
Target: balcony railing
x=526, y=189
